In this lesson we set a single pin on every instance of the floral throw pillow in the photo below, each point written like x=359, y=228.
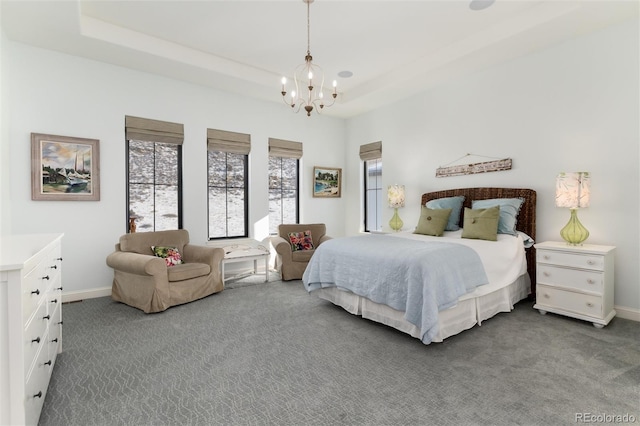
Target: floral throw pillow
x=171, y=255
x=301, y=240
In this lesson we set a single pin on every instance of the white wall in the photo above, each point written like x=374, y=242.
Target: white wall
x=574, y=107
x=569, y=108
x=59, y=94
x=5, y=212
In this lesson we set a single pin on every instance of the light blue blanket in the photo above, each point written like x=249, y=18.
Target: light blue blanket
x=416, y=277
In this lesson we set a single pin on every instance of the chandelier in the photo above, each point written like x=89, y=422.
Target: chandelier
x=305, y=77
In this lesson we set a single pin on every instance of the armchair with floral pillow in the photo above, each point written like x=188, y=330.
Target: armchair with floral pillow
x=153, y=271
x=294, y=245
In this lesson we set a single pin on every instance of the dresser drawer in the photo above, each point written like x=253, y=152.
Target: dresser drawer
x=36, y=387
x=54, y=298
x=42, y=278
x=53, y=266
x=54, y=338
x=584, y=304
x=573, y=260
x=579, y=279
x=34, y=338
x=34, y=289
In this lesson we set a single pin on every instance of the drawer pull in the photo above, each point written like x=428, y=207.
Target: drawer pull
x=546, y=257
x=546, y=274
x=54, y=267
x=47, y=317
x=589, y=304
x=590, y=262
x=59, y=288
x=36, y=340
x=60, y=323
x=59, y=258
x=48, y=362
x=38, y=395
x=547, y=295
x=591, y=281
x=54, y=301
x=36, y=291
x=54, y=340
x=46, y=277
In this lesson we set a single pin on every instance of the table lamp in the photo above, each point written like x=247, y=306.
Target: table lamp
x=395, y=195
x=573, y=191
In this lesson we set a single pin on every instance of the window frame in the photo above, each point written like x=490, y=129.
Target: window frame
x=128, y=183
x=246, y=198
x=366, y=195
x=297, y=203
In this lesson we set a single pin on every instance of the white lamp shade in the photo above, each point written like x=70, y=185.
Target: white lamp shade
x=395, y=194
x=573, y=190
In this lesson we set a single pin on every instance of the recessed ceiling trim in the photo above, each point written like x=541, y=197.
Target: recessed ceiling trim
x=124, y=37
x=529, y=20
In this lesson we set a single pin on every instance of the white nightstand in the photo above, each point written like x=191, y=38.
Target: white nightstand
x=575, y=281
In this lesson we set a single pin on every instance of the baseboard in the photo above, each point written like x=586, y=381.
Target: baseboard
x=627, y=313
x=74, y=296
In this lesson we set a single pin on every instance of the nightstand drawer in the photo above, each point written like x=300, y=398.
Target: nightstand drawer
x=579, y=279
x=572, y=260
x=584, y=304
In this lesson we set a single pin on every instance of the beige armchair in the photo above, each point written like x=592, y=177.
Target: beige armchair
x=144, y=281
x=292, y=264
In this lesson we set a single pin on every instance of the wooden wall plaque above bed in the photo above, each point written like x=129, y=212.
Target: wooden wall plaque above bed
x=526, y=217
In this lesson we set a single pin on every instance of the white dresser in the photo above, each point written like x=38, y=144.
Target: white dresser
x=30, y=323
x=576, y=281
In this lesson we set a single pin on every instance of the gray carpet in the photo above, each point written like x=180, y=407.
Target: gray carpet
x=271, y=354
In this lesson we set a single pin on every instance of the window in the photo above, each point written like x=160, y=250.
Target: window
x=228, y=183
x=154, y=174
x=284, y=191
x=372, y=156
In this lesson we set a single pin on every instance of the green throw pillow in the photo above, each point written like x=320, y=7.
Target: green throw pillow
x=432, y=221
x=481, y=224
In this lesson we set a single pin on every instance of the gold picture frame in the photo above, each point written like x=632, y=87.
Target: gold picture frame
x=327, y=182
x=64, y=168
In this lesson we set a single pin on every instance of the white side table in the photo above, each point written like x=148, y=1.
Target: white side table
x=243, y=253
x=575, y=281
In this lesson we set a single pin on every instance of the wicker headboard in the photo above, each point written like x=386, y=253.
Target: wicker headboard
x=526, y=218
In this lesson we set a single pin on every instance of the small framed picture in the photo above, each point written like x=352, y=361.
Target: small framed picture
x=327, y=182
x=64, y=168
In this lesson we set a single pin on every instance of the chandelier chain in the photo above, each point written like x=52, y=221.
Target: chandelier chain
x=308, y=29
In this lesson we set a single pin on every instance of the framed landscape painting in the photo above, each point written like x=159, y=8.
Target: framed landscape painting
x=64, y=168
x=327, y=182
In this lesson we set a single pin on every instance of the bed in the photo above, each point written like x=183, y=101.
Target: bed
x=429, y=286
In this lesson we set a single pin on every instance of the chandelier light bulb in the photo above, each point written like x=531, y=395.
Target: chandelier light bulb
x=284, y=80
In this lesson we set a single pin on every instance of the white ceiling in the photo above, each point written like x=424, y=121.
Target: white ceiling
x=393, y=47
